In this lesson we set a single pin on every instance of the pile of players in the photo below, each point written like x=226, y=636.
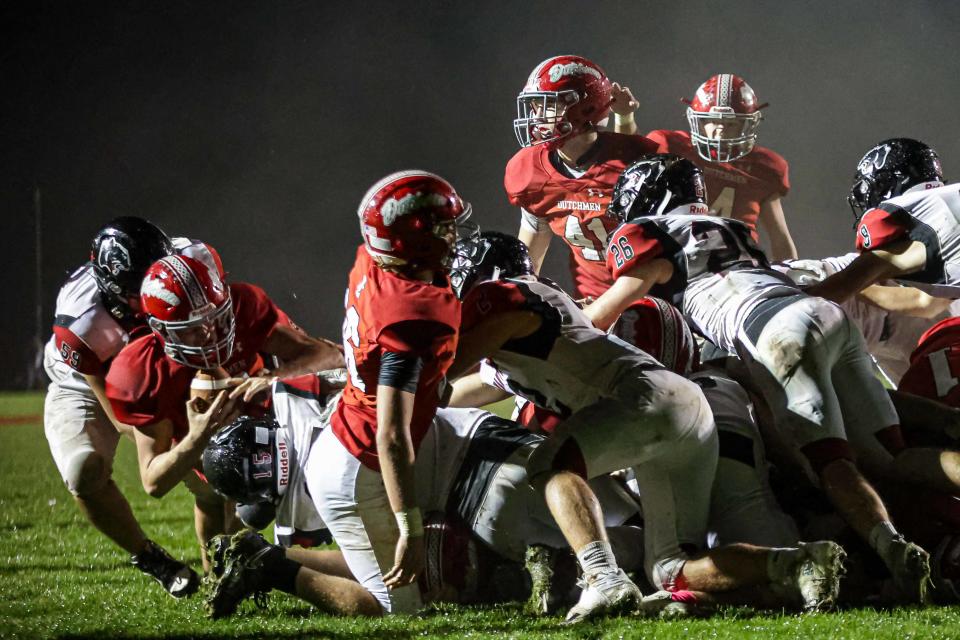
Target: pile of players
x=695, y=423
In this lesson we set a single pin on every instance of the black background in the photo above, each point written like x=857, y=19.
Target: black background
x=257, y=126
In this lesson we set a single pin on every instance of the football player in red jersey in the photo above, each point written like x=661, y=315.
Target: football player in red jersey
x=199, y=322
x=906, y=218
x=563, y=176
x=399, y=335
x=746, y=181
x=96, y=311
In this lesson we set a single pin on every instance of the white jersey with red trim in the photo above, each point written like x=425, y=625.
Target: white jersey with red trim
x=927, y=213
x=567, y=364
x=720, y=274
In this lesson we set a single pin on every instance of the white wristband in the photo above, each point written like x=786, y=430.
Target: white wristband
x=410, y=522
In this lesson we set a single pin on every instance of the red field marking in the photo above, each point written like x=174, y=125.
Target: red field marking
x=9, y=421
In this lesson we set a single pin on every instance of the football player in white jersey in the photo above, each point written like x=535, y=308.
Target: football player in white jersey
x=621, y=409
x=471, y=467
x=906, y=221
x=891, y=317
x=804, y=356
x=96, y=310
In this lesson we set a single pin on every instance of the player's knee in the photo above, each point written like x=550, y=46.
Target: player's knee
x=823, y=453
x=87, y=474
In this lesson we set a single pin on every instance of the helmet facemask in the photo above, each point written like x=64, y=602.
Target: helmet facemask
x=726, y=148
x=203, y=342
x=541, y=117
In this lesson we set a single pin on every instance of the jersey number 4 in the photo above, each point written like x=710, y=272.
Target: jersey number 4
x=592, y=240
x=942, y=376
x=723, y=204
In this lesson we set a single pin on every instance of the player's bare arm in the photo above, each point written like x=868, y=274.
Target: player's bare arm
x=537, y=241
x=774, y=224
x=489, y=335
x=870, y=267
x=623, y=106
x=629, y=287
x=98, y=386
x=906, y=300
x=396, y=454
x=471, y=391
x=299, y=352
x=163, y=466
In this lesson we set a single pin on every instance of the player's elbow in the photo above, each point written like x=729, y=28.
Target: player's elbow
x=154, y=490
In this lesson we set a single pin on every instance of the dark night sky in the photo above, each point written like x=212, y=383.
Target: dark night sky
x=258, y=126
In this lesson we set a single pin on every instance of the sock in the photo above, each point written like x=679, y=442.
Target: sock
x=781, y=562
x=597, y=557
x=280, y=571
x=882, y=536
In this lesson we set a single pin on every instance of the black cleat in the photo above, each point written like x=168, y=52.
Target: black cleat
x=242, y=574
x=177, y=578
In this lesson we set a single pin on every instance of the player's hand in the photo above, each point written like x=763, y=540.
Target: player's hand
x=623, y=101
x=409, y=561
x=250, y=388
x=220, y=413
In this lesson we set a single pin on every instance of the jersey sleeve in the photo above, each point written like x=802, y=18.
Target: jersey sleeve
x=882, y=226
x=630, y=246
x=256, y=314
x=411, y=317
x=522, y=179
x=130, y=386
x=659, y=137
x=488, y=299
x=75, y=353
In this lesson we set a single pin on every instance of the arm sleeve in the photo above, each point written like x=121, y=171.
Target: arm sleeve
x=489, y=299
x=75, y=352
x=532, y=223
x=882, y=226
x=631, y=245
x=400, y=371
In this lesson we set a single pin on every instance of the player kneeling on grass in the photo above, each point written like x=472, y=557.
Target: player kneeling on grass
x=470, y=468
x=621, y=409
x=200, y=323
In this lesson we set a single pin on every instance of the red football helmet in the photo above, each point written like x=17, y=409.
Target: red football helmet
x=189, y=307
x=409, y=219
x=727, y=100
x=564, y=96
x=658, y=328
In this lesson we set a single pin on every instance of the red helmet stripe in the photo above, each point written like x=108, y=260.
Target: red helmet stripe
x=187, y=280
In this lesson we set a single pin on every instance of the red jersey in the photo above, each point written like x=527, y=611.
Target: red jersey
x=576, y=208
x=737, y=188
x=935, y=364
x=145, y=386
x=386, y=312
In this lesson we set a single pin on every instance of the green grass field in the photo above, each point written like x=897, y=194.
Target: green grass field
x=59, y=578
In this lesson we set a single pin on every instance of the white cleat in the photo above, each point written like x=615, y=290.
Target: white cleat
x=663, y=605
x=605, y=594
x=818, y=574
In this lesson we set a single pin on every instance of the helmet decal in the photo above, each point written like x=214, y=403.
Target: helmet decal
x=153, y=287
x=113, y=256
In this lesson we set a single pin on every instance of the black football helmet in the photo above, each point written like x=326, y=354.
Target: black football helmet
x=889, y=169
x=490, y=255
x=120, y=255
x=247, y=461
x=657, y=184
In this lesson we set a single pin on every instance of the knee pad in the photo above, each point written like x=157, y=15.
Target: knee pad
x=87, y=473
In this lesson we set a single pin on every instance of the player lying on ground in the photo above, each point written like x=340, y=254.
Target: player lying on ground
x=199, y=323
x=621, y=409
x=470, y=467
x=802, y=353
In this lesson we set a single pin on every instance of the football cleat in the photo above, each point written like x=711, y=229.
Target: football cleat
x=177, y=578
x=818, y=575
x=216, y=551
x=668, y=605
x=538, y=563
x=910, y=567
x=609, y=593
x=242, y=574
